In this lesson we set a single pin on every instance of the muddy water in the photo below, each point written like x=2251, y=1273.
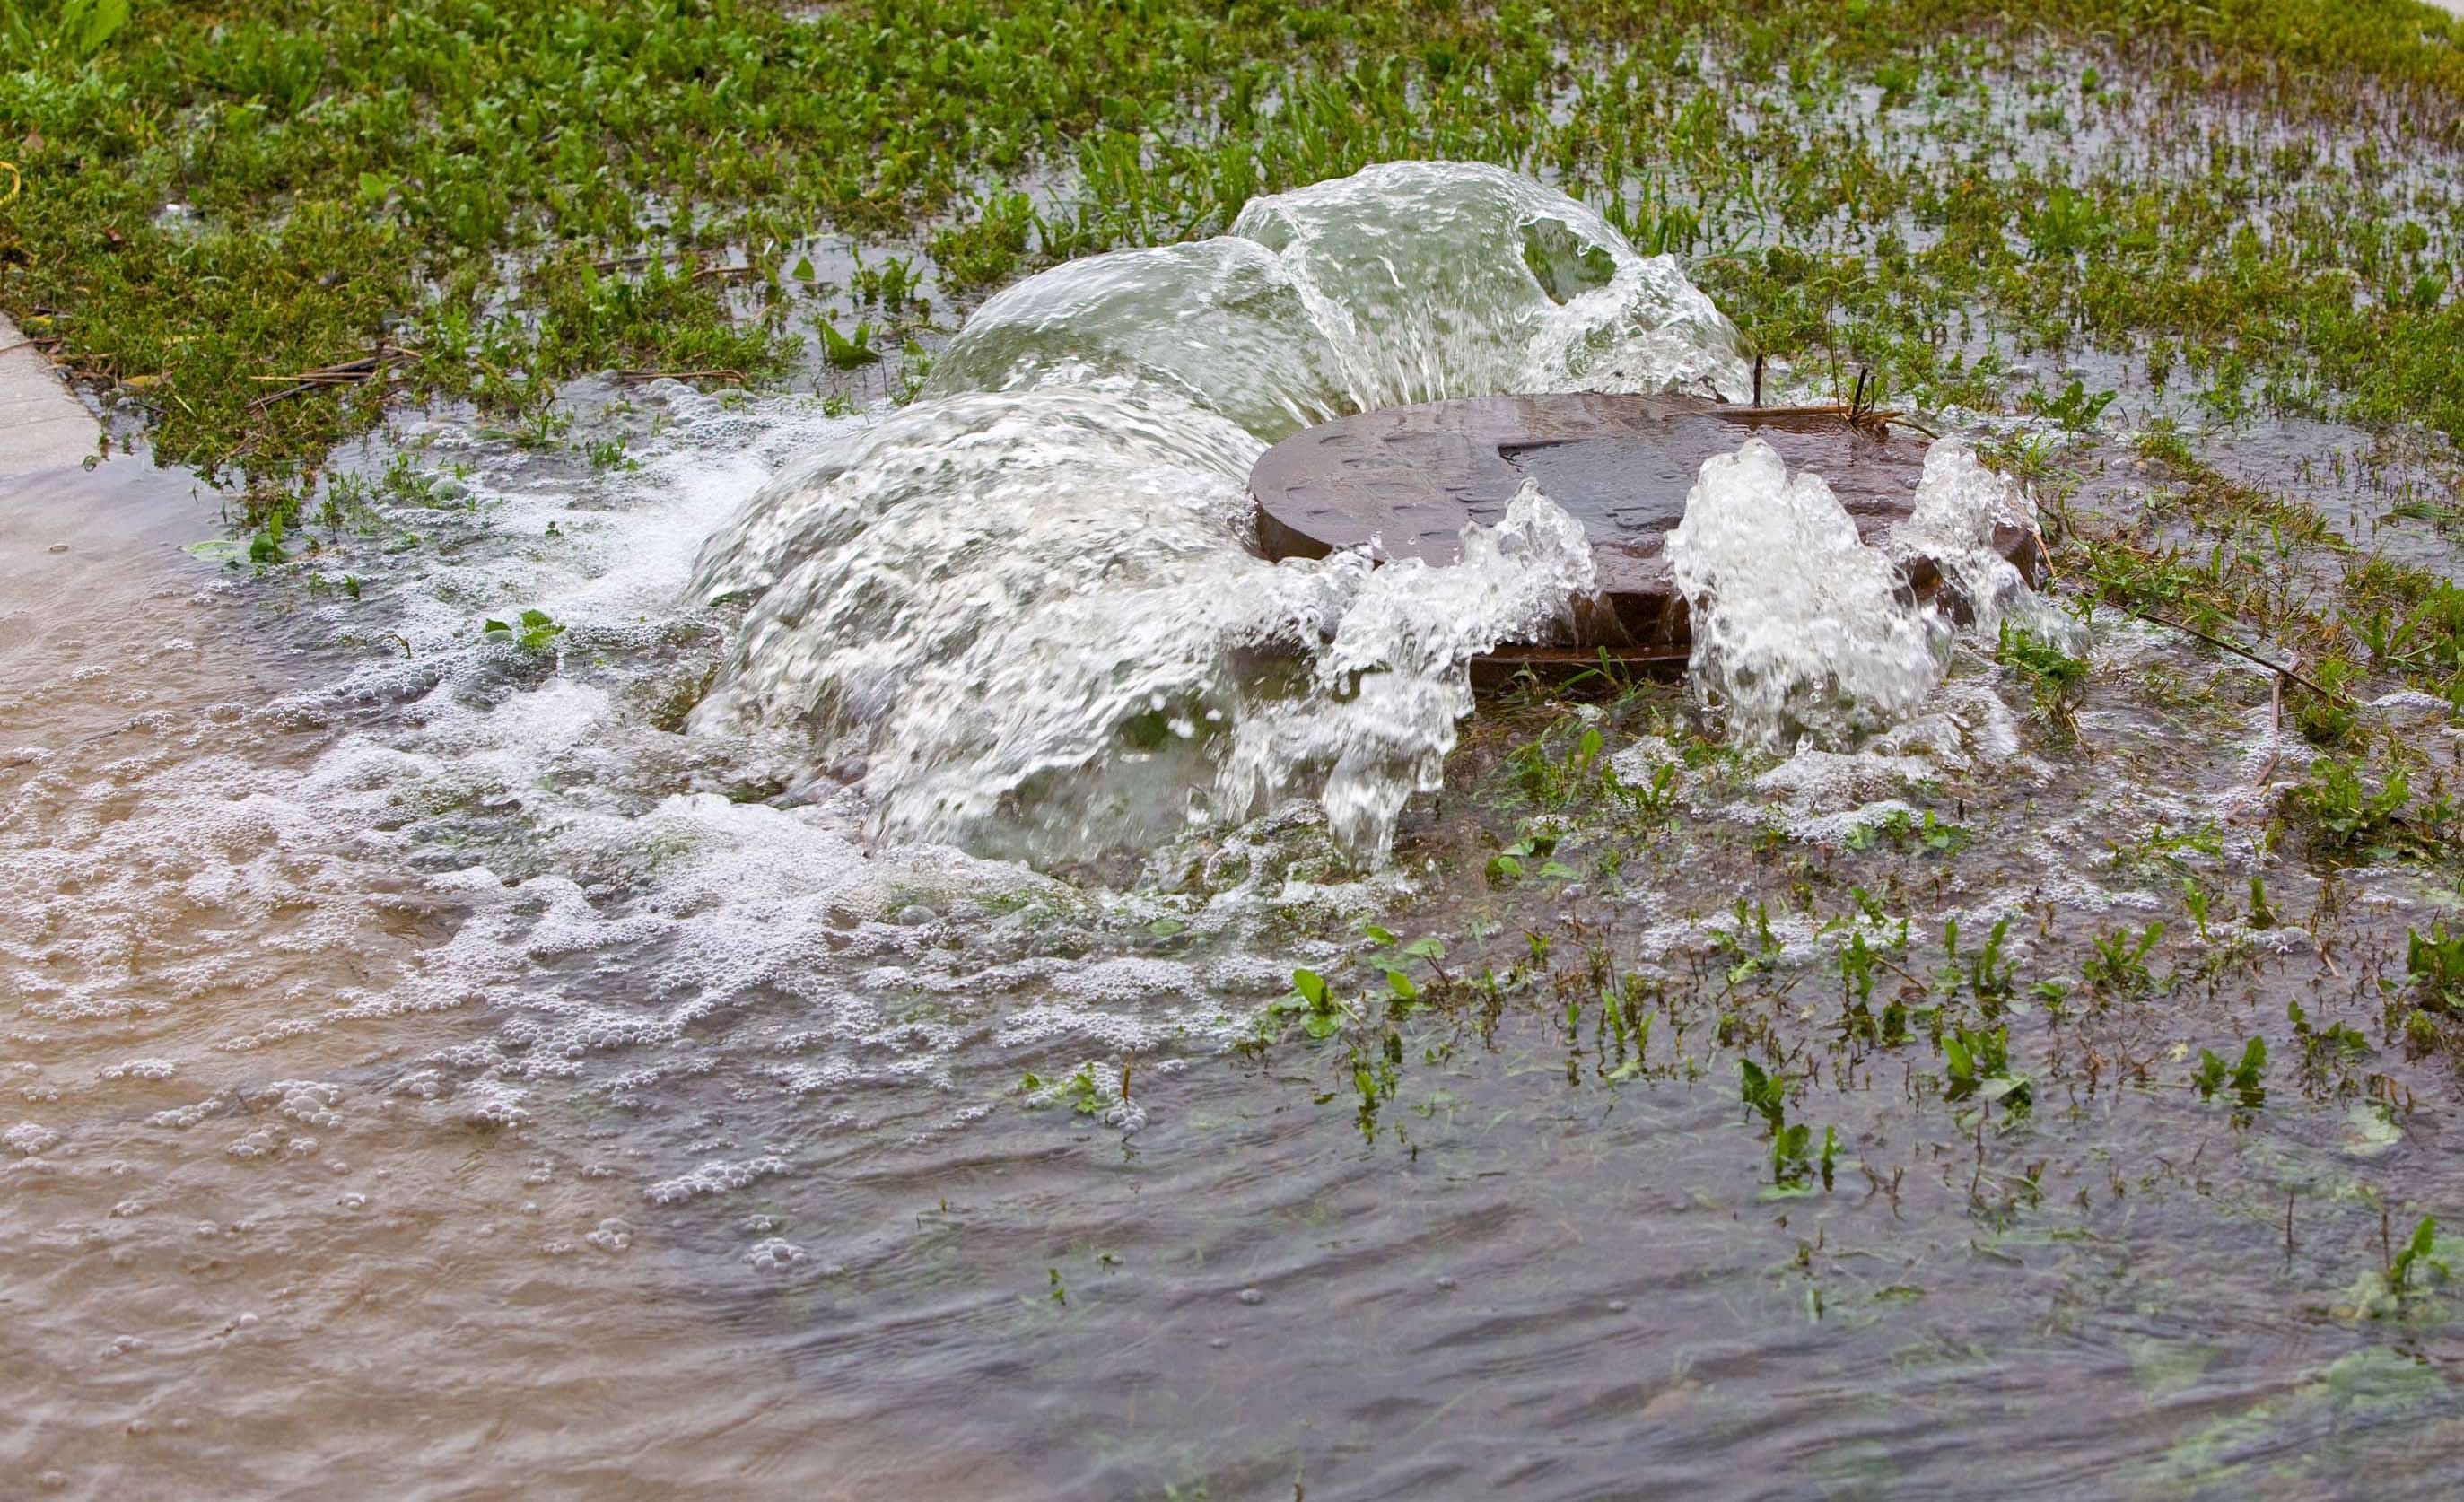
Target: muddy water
x=235, y=1262
x=443, y=1078
x=444, y=1063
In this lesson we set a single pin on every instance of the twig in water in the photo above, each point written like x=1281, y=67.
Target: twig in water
x=2275, y=729
x=737, y=376
x=2218, y=642
x=350, y=372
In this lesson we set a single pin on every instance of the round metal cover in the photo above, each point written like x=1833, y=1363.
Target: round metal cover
x=1409, y=477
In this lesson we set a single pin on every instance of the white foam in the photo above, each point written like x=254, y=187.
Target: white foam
x=1798, y=628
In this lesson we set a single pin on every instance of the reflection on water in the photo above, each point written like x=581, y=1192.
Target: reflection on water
x=435, y=1068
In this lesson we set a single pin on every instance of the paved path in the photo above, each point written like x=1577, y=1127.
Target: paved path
x=42, y=427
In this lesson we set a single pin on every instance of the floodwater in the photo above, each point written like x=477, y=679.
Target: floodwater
x=447, y=1065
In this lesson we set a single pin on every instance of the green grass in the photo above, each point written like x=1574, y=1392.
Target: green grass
x=517, y=195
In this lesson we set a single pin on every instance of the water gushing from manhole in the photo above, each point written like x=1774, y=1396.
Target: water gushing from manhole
x=1028, y=612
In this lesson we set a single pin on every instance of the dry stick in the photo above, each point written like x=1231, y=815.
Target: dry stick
x=2275, y=729
x=345, y=370
x=2219, y=642
x=1871, y=417
x=350, y=372
x=679, y=375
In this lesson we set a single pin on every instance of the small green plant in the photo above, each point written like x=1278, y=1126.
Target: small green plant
x=847, y=351
x=266, y=547
x=1977, y=1063
x=1752, y=948
x=2195, y=901
x=1794, y=1159
x=1763, y=1095
x=2055, y=679
x=1084, y=1097
x=2246, y=1077
x=1988, y=973
x=1856, y=959
x=1790, y=1154
x=2167, y=851
x=2341, y=812
x=2420, y=1251
x=1587, y=751
x=2327, y=718
x=1654, y=800
x=608, y=453
x=534, y=631
x=1320, y=1013
x=1375, y=1074
x=2435, y=963
x=2327, y=1053
x=1901, y=829
x=2076, y=407
x=1509, y=867
x=2120, y=962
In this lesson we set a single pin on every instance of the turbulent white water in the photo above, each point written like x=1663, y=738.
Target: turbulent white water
x=1025, y=610
x=1798, y=628
x=1959, y=502
x=1390, y=685
x=1801, y=630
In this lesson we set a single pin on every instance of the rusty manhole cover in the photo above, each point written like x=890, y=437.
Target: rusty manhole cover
x=1411, y=476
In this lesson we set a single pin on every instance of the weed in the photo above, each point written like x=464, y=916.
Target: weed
x=1978, y=1063
x=1750, y=947
x=2076, y=408
x=532, y=631
x=2341, y=813
x=1652, y=801
x=2434, y=964
x=847, y=351
x=2120, y=962
x=1320, y=1014
x=1987, y=974
x=2246, y=1077
x=1080, y=1089
x=2055, y=679
x=1763, y=1095
x=2420, y=1251
x=1901, y=828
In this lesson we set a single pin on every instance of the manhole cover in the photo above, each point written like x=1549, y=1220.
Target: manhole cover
x=1411, y=476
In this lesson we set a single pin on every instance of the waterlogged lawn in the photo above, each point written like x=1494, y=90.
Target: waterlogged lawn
x=480, y=201
x=2098, y=1037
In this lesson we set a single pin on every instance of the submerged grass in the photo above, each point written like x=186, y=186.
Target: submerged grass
x=480, y=201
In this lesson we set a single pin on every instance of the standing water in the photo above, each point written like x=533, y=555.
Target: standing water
x=810, y=1010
